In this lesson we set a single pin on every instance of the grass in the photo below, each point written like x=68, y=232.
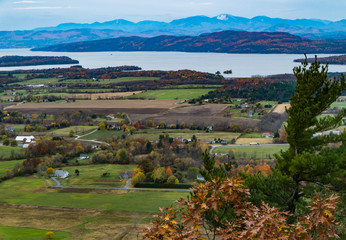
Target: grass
x=66, y=81
x=101, y=135
x=339, y=105
x=78, y=130
x=5, y=151
x=173, y=93
x=37, y=81
x=15, y=233
x=8, y=165
x=91, y=175
x=244, y=115
x=251, y=135
x=192, y=86
x=263, y=103
x=153, y=134
x=34, y=191
x=106, y=120
x=257, y=152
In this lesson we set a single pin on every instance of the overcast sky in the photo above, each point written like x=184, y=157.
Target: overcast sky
x=29, y=14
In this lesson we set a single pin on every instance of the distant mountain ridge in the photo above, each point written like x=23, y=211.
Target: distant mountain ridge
x=197, y=25
x=222, y=42
x=190, y=26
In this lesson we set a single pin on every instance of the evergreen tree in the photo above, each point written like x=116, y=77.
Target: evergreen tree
x=310, y=159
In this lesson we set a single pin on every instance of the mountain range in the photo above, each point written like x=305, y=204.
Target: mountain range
x=222, y=42
x=191, y=26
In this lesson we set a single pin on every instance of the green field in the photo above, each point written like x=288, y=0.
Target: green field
x=257, y=152
x=16, y=233
x=78, y=130
x=102, y=135
x=5, y=151
x=100, y=81
x=34, y=191
x=193, y=86
x=154, y=134
x=251, y=135
x=339, y=105
x=91, y=175
x=173, y=93
x=267, y=103
x=8, y=165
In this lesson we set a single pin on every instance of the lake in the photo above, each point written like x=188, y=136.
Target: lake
x=242, y=65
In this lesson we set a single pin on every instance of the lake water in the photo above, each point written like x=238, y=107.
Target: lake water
x=242, y=65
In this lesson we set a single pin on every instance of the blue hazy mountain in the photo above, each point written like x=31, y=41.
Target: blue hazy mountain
x=190, y=26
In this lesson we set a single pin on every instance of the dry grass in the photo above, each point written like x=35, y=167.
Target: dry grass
x=54, y=218
x=246, y=141
x=280, y=108
x=95, y=96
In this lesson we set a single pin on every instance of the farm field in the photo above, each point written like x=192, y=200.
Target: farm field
x=102, y=135
x=8, y=165
x=251, y=135
x=112, y=106
x=280, y=108
x=83, y=213
x=92, y=175
x=78, y=130
x=193, y=86
x=66, y=81
x=15, y=233
x=174, y=93
x=153, y=134
x=261, y=140
x=5, y=151
x=257, y=152
x=95, y=96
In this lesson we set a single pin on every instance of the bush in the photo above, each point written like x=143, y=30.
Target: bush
x=140, y=177
x=163, y=185
x=49, y=235
x=172, y=180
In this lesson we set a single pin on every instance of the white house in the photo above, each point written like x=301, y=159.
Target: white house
x=25, y=139
x=330, y=132
x=61, y=174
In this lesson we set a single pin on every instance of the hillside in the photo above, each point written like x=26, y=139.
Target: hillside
x=331, y=60
x=223, y=42
x=10, y=61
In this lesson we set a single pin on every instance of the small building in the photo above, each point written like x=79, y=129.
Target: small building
x=200, y=178
x=60, y=174
x=266, y=135
x=110, y=117
x=326, y=133
x=25, y=139
x=83, y=156
x=10, y=129
x=125, y=175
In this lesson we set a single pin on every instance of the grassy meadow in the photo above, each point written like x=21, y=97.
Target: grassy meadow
x=173, y=93
x=257, y=152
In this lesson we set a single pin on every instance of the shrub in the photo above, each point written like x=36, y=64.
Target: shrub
x=140, y=177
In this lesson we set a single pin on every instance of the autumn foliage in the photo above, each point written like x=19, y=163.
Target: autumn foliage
x=221, y=209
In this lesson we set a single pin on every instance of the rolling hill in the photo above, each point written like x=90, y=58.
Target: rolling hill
x=223, y=42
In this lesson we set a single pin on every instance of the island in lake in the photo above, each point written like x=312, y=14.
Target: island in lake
x=341, y=60
x=13, y=61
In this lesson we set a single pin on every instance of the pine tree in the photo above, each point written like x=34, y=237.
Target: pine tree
x=309, y=159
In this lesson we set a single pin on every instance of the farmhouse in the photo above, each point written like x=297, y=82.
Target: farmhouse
x=25, y=139
x=326, y=133
x=60, y=174
x=83, y=156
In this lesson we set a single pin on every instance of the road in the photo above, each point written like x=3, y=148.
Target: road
x=213, y=146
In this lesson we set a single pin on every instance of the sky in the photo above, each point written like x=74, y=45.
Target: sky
x=29, y=14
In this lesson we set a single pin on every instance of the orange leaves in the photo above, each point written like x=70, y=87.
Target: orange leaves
x=190, y=219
